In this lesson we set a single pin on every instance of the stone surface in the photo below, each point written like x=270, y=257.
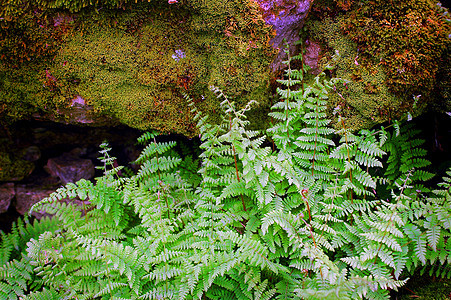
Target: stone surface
x=287, y=18
x=7, y=193
x=378, y=48
x=27, y=195
x=312, y=55
x=32, y=153
x=70, y=168
x=77, y=113
x=133, y=68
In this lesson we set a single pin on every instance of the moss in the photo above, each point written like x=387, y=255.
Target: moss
x=22, y=92
x=29, y=39
x=408, y=38
x=13, y=170
x=390, y=51
x=426, y=287
x=32, y=35
x=365, y=100
x=12, y=167
x=125, y=63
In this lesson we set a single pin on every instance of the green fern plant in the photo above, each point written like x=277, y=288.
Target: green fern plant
x=406, y=154
x=312, y=218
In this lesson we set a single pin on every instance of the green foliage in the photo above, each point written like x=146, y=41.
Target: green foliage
x=16, y=271
x=406, y=156
x=304, y=219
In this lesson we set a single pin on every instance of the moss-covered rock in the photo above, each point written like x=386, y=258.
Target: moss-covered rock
x=391, y=52
x=134, y=64
x=407, y=38
x=12, y=167
x=126, y=62
x=365, y=99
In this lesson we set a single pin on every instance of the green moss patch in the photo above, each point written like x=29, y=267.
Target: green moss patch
x=135, y=64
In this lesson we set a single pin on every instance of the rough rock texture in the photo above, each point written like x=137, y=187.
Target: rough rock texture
x=77, y=113
x=312, y=55
x=70, y=168
x=7, y=193
x=34, y=143
x=51, y=140
x=121, y=62
x=287, y=18
x=27, y=195
x=31, y=153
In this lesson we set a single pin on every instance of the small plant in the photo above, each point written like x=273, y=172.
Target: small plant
x=305, y=220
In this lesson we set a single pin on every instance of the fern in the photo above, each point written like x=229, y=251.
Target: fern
x=405, y=156
x=306, y=219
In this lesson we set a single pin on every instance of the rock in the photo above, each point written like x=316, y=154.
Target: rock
x=13, y=168
x=27, y=195
x=287, y=18
x=7, y=193
x=70, y=168
x=77, y=113
x=31, y=153
x=312, y=55
x=77, y=152
x=133, y=72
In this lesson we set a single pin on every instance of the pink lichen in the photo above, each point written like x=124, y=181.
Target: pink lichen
x=78, y=101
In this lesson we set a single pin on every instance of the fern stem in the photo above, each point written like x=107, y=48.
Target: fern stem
x=302, y=64
x=287, y=100
x=104, y=250
x=84, y=211
x=347, y=151
x=304, y=193
x=160, y=181
x=286, y=115
x=272, y=123
x=164, y=244
x=236, y=164
x=393, y=212
x=238, y=176
x=346, y=141
x=422, y=234
x=311, y=233
x=158, y=166
x=316, y=136
x=314, y=242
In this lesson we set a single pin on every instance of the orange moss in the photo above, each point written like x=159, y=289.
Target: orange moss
x=408, y=38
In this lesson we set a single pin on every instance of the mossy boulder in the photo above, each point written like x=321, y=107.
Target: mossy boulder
x=13, y=168
x=364, y=100
x=131, y=64
x=393, y=55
